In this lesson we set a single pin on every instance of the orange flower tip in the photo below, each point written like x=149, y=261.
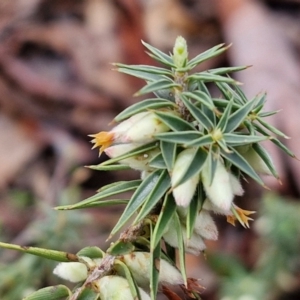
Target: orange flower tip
x=231, y=220
x=266, y=187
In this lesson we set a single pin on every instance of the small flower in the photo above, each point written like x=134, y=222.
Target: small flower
x=219, y=191
x=180, y=53
x=241, y=215
x=139, y=265
x=137, y=162
x=139, y=128
x=184, y=192
x=114, y=287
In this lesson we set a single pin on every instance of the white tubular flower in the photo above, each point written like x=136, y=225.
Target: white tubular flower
x=139, y=128
x=205, y=226
x=219, y=191
x=236, y=185
x=139, y=265
x=138, y=162
x=114, y=287
x=180, y=53
x=194, y=245
x=256, y=162
x=75, y=271
x=184, y=192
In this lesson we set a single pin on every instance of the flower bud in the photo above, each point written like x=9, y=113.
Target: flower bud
x=138, y=162
x=75, y=271
x=184, y=192
x=180, y=53
x=114, y=287
x=139, y=265
x=219, y=191
x=205, y=226
x=194, y=245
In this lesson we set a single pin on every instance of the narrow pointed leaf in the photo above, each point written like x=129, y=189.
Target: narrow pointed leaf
x=229, y=93
x=241, y=139
x=200, y=142
x=210, y=53
x=156, y=86
x=157, y=193
x=181, y=248
x=113, y=189
x=222, y=144
x=145, y=68
x=174, y=122
x=56, y=292
x=223, y=103
x=194, y=168
x=164, y=57
x=166, y=214
x=225, y=116
x=142, y=75
x=158, y=162
x=272, y=128
x=193, y=211
x=132, y=284
x=138, y=198
x=168, y=151
x=268, y=113
x=212, y=160
x=207, y=77
x=120, y=248
x=261, y=100
x=87, y=293
x=178, y=137
x=154, y=275
x=237, y=118
x=153, y=103
x=226, y=70
x=236, y=159
x=41, y=252
x=198, y=114
x=201, y=97
x=264, y=155
x=104, y=203
x=283, y=147
x=118, y=167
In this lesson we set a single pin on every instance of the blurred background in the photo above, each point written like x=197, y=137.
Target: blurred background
x=57, y=86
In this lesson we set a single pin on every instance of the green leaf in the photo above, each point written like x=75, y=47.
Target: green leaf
x=242, y=139
x=168, y=151
x=120, y=248
x=158, y=191
x=133, y=152
x=142, y=75
x=91, y=252
x=271, y=128
x=229, y=93
x=105, y=192
x=268, y=113
x=153, y=103
x=41, y=252
x=104, y=203
x=154, y=275
x=264, y=155
x=179, y=137
x=193, y=211
x=159, y=55
x=132, y=284
x=225, y=116
x=174, y=122
x=200, y=142
x=57, y=292
x=210, y=53
x=156, y=86
x=223, y=103
x=212, y=160
x=207, y=77
x=138, y=198
x=261, y=100
x=227, y=70
x=157, y=162
x=144, y=68
x=236, y=159
x=87, y=293
x=198, y=114
x=117, y=167
x=237, y=118
x=181, y=247
x=194, y=167
x=166, y=214
x=201, y=97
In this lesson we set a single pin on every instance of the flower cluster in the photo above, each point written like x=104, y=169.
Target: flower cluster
x=192, y=150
